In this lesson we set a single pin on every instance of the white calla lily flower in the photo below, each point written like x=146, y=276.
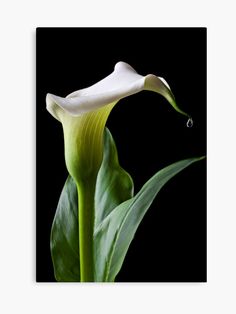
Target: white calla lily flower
x=83, y=114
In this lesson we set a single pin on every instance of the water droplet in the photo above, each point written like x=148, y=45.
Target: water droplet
x=189, y=123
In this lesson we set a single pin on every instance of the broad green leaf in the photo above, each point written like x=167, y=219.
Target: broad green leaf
x=65, y=235
x=114, y=184
x=115, y=233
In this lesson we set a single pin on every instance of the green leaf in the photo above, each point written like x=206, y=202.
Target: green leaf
x=115, y=233
x=65, y=235
x=114, y=185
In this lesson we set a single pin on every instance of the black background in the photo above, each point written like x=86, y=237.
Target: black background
x=170, y=244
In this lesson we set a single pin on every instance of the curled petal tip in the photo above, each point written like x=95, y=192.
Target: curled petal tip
x=164, y=81
x=160, y=86
x=49, y=103
x=52, y=106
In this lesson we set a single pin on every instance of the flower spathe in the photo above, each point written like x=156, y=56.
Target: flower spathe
x=83, y=114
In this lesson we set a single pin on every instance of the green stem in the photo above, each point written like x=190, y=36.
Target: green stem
x=86, y=192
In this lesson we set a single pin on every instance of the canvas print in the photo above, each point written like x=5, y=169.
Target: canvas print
x=121, y=155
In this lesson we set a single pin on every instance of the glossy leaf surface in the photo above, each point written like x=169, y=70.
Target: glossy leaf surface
x=65, y=235
x=114, y=235
x=114, y=184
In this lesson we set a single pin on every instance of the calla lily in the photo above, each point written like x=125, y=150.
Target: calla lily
x=83, y=115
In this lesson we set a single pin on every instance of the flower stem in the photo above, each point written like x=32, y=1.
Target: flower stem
x=86, y=192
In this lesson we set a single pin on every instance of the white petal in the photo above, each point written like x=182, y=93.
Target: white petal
x=122, y=82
